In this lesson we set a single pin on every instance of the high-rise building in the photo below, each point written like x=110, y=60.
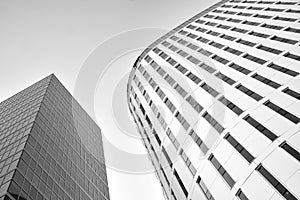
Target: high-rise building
x=49, y=146
x=216, y=101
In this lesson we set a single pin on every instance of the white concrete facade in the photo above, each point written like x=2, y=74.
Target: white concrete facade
x=217, y=103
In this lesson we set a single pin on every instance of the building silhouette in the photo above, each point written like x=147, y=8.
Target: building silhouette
x=49, y=147
x=216, y=101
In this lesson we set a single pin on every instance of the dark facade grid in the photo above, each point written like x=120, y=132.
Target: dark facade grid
x=10, y=111
x=50, y=154
x=27, y=109
x=16, y=126
x=54, y=162
x=73, y=139
x=8, y=104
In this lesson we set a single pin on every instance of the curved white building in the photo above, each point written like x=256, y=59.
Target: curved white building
x=216, y=101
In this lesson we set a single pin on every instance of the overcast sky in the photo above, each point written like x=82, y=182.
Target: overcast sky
x=39, y=37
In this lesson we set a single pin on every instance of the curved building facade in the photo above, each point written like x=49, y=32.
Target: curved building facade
x=216, y=101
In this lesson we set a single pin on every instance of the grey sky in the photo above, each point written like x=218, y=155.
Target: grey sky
x=42, y=37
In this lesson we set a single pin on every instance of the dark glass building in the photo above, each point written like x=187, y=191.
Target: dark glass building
x=49, y=147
